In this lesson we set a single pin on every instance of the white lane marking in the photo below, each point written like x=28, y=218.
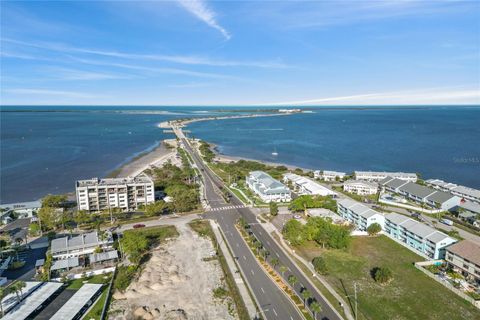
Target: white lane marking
x=244, y=258
x=277, y=255
x=291, y=318
x=276, y=315
x=252, y=272
x=260, y=232
x=262, y=289
x=268, y=242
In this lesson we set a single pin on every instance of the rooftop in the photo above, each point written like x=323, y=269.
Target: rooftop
x=65, y=264
x=90, y=239
x=466, y=249
x=467, y=191
x=440, y=197
x=397, y=218
x=392, y=182
x=416, y=190
x=268, y=181
x=418, y=228
x=114, y=181
x=75, y=304
x=308, y=184
x=358, y=208
x=384, y=173
x=361, y=182
x=104, y=256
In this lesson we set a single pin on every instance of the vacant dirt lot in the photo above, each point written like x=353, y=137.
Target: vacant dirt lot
x=176, y=283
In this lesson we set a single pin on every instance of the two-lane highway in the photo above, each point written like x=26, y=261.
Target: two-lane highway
x=273, y=302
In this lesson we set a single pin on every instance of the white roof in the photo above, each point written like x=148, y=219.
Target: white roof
x=75, y=304
x=28, y=305
x=11, y=299
x=310, y=185
x=104, y=256
x=361, y=183
x=358, y=208
x=65, y=263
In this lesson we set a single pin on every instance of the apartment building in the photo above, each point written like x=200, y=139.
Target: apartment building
x=329, y=175
x=420, y=194
x=460, y=191
x=124, y=193
x=358, y=214
x=380, y=175
x=464, y=256
x=267, y=188
x=417, y=236
x=305, y=186
x=362, y=188
x=79, y=246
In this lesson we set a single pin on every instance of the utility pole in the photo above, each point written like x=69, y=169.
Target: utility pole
x=356, y=301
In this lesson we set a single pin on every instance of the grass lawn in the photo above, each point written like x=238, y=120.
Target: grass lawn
x=411, y=294
x=100, y=278
x=96, y=311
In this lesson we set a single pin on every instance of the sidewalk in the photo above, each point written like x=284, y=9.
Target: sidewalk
x=242, y=288
x=271, y=228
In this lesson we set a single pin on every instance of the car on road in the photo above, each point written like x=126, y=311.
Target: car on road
x=138, y=225
x=416, y=215
x=447, y=222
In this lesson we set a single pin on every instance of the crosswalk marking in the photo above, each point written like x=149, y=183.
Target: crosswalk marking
x=226, y=208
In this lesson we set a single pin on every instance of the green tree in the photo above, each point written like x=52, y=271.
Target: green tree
x=306, y=295
x=54, y=201
x=294, y=232
x=273, y=208
x=17, y=287
x=373, y=229
x=275, y=262
x=382, y=275
x=34, y=229
x=47, y=218
x=134, y=244
x=292, y=280
x=81, y=217
x=155, y=208
x=316, y=308
x=320, y=265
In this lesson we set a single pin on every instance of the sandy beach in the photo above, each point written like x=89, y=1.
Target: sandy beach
x=156, y=158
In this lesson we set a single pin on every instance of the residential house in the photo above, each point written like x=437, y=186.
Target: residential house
x=329, y=175
x=80, y=246
x=362, y=188
x=380, y=175
x=306, y=186
x=267, y=188
x=460, y=191
x=464, y=256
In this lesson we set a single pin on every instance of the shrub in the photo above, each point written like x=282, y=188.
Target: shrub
x=382, y=275
x=320, y=265
x=124, y=277
x=373, y=229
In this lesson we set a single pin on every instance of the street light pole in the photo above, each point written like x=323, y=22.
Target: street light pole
x=356, y=301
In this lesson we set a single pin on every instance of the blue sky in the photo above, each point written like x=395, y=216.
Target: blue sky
x=240, y=53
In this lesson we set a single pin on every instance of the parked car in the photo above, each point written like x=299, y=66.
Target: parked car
x=138, y=225
x=416, y=215
x=297, y=216
x=447, y=222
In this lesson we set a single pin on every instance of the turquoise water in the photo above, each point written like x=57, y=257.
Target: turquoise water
x=45, y=152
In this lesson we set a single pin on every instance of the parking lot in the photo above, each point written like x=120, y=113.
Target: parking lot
x=27, y=272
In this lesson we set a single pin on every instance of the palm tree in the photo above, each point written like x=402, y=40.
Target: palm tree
x=292, y=280
x=20, y=285
x=15, y=288
x=316, y=308
x=275, y=262
x=306, y=295
x=283, y=269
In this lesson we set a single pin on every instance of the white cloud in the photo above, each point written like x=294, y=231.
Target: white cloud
x=47, y=92
x=200, y=10
x=408, y=97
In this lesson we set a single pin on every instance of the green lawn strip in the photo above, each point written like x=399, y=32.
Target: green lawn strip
x=411, y=294
x=99, y=278
x=325, y=292
x=203, y=228
x=96, y=311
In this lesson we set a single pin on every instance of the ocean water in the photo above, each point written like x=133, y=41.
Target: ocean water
x=45, y=152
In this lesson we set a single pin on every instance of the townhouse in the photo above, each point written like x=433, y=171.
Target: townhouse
x=329, y=175
x=267, y=188
x=464, y=257
x=420, y=194
x=379, y=175
x=305, y=186
x=360, y=187
x=358, y=214
x=460, y=191
x=417, y=236
x=80, y=246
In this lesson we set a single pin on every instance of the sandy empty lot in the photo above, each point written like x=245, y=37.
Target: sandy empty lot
x=176, y=283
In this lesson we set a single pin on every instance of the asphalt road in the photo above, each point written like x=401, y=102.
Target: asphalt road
x=272, y=301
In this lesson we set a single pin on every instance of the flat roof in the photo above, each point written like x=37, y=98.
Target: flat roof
x=11, y=299
x=75, y=304
x=440, y=197
x=90, y=239
x=361, y=182
x=104, y=256
x=393, y=182
x=65, y=263
x=32, y=302
x=114, y=181
x=308, y=184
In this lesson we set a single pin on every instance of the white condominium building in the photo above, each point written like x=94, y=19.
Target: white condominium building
x=267, y=188
x=305, y=186
x=461, y=191
x=328, y=175
x=124, y=193
x=358, y=214
x=379, y=175
x=362, y=188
